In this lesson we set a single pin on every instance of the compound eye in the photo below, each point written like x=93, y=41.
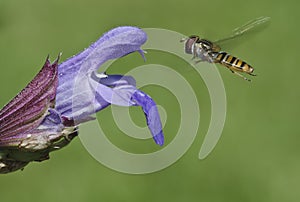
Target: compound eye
x=194, y=38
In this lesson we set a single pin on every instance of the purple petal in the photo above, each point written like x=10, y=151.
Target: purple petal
x=118, y=94
x=114, y=80
x=82, y=92
x=78, y=69
x=151, y=113
x=118, y=90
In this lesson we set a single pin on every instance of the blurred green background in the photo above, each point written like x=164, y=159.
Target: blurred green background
x=257, y=157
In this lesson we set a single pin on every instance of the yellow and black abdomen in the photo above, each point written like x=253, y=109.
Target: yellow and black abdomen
x=233, y=63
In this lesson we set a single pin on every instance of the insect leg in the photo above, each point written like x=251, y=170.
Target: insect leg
x=194, y=57
x=198, y=61
x=252, y=74
x=238, y=74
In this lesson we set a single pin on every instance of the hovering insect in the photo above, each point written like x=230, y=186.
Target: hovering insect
x=208, y=51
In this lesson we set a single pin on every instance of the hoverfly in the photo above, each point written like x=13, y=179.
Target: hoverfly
x=209, y=51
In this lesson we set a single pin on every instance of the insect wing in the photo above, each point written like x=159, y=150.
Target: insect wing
x=246, y=28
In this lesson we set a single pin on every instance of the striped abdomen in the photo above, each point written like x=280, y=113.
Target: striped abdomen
x=233, y=63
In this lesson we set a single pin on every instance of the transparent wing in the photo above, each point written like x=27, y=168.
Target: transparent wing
x=249, y=26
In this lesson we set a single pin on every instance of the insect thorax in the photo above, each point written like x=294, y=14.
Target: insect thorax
x=205, y=50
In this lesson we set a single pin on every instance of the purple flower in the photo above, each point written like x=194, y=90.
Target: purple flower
x=45, y=115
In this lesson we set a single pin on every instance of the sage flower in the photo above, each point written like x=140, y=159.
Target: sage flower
x=45, y=115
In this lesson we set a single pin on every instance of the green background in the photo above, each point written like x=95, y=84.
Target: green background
x=257, y=157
